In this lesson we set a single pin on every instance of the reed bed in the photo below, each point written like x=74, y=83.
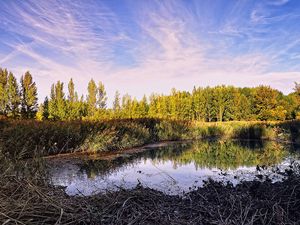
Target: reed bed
x=26, y=139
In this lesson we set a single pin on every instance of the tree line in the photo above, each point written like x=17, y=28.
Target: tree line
x=219, y=103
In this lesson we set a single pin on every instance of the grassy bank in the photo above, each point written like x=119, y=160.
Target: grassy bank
x=28, y=138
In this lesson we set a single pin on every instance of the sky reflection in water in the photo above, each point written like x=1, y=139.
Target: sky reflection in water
x=175, y=168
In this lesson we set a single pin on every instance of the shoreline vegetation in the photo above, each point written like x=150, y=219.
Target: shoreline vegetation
x=22, y=139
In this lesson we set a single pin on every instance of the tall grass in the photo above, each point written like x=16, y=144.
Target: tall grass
x=24, y=139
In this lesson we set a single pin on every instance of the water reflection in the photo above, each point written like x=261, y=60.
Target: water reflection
x=176, y=167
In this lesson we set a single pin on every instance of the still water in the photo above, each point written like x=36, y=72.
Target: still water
x=175, y=168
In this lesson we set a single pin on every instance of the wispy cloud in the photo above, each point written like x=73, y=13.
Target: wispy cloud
x=149, y=46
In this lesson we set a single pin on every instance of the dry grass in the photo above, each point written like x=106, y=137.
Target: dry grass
x=24, y=202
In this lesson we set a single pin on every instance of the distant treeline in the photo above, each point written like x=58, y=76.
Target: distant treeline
x=220, y=103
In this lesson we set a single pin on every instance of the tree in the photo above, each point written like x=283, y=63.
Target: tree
x=116, y=105
x=199, y=100
x=126, y=106
x=40, y=113
x=92, y=97
x=210, y=110
x=13, y=95
x=28, y=96
x=3, y=93
x=57, y=104
x=71, y=89
x=266, y=104
x=297, y=88
x=73, y=105
x=143, y=108
x=295, y=97
x=45, y=108
x=101, y=96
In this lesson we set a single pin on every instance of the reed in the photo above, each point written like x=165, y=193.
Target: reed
x=29, y=138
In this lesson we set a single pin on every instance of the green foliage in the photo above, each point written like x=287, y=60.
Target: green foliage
x=3, y=93
x=28, y=96
x=209, y=104
x=13, y=95
x=57, y=103
x=92, y=97
x=101, y=96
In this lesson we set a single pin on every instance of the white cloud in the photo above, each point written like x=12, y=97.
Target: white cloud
x=78, y=39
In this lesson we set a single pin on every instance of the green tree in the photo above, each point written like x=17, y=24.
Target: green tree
x=74, y=111
x=117, y=105
x=45, y=108
x=126, y=106
x=295, y=98
x=198, y=106
x=210, y=110
x=71, y=89
x=40, y=113
x=143, y=108
x=13, y=94
x=3, y=93
x=266, y=104
x=28, y=96
x=57, y=104
x=101, y=96
x=92, y=98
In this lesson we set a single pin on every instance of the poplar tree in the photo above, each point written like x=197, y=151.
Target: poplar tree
x=46, y=108
x=101, y=96
x=57, y=104
x=72, y=111
x=143, y=107
x=116, y=103
x=92, y=97
x=28, y=96
x=3, y=93
x=13, y=94
x=71, y=89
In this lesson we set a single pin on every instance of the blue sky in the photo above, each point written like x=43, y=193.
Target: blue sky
x=151, y=46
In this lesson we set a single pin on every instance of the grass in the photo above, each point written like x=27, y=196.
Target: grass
x=25, y=202
x=28, y=138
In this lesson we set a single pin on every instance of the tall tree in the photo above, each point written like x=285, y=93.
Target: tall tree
x=266, y=104
x=101, y=96
x=295, y=97
x=126, y=106
x=3, y=93
x=143, y=107
x=71, y=89
x=116, y=103
x=28, y=96
x=46, y=108
x=13, y=96
x=92, y=97
x=57, y=104
x=73, y=104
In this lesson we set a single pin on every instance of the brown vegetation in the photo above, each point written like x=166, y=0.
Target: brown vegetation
x=25, y=202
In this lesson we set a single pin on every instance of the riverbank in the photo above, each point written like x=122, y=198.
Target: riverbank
x=28, y=138
x=28, y=202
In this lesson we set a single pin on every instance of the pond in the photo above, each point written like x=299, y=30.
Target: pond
x=174, y=168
